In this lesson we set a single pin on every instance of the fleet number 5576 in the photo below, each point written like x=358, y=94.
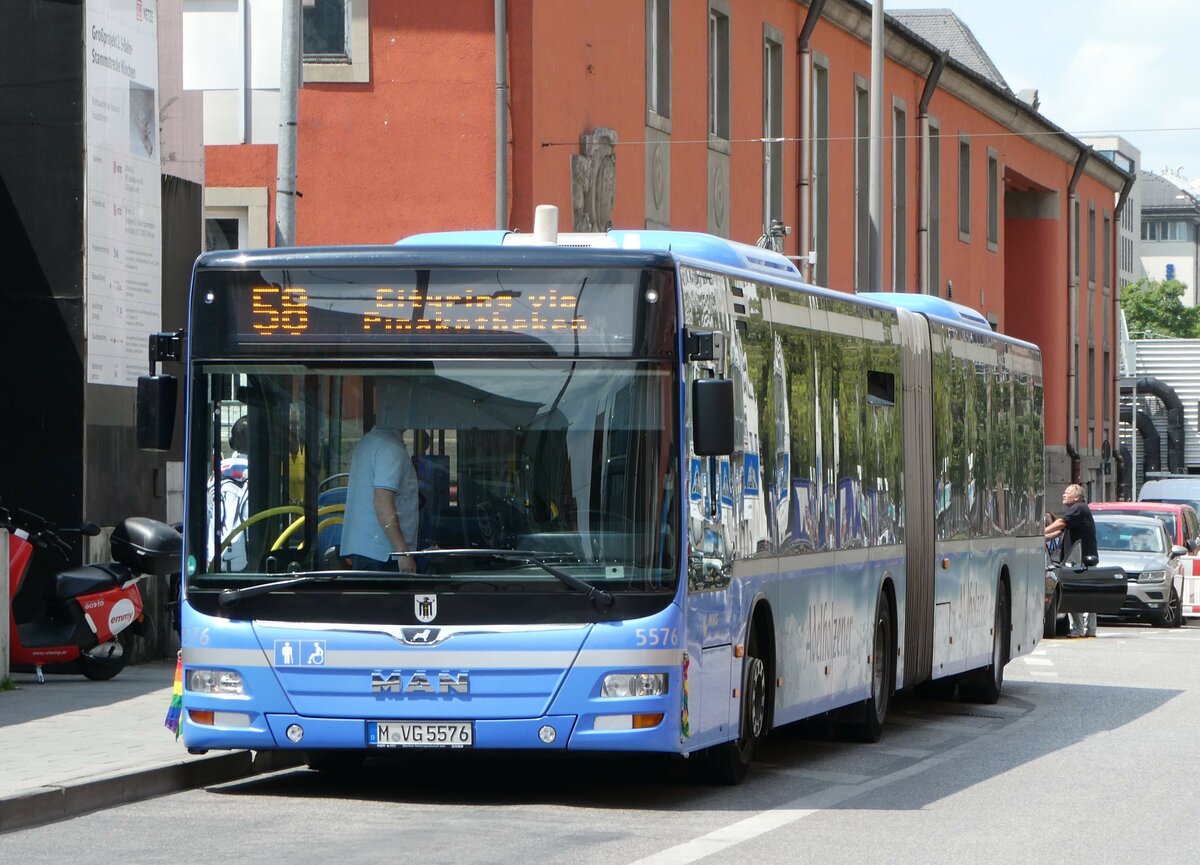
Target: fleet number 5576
x=653, y=637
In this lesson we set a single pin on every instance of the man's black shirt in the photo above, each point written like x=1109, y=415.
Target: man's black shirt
x=1081, y=529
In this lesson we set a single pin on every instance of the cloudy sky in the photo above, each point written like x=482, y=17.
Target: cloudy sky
x=1121, y=67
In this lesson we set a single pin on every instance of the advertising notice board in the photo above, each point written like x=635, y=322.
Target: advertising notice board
x=123, y=261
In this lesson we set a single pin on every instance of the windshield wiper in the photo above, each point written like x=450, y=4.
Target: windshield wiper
x=230, y=597
x=596, y=595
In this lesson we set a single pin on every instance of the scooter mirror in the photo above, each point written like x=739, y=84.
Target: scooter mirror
x=90, y=529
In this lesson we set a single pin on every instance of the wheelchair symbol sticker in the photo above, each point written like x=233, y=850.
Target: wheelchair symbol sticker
x=299, y=653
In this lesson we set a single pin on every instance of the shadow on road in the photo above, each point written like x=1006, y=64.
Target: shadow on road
x=62, y=694
x=794, y=761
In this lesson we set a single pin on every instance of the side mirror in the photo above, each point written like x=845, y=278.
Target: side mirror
x=712, y=417
x=156, y=411
x=89, y=529
x=1177, y=551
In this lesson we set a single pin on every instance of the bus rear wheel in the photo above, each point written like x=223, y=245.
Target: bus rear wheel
x=729, y=762
x=984, y=685
x=863, y=722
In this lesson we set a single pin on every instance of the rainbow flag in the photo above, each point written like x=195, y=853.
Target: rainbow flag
x=175, y=710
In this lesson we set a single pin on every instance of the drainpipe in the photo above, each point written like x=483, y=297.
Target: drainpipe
x=1115, y=300
x=501, y=13
x=931, y=82
x=804, y=171
x=1073, y=315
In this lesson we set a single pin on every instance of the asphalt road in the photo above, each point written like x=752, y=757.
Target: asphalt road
x=1087, y=758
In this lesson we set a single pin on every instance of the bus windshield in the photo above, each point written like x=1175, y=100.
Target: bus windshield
x=573, y=463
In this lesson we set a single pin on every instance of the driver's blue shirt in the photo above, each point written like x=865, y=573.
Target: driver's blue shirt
x=380, y=461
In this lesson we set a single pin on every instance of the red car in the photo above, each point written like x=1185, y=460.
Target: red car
x=1183, y=528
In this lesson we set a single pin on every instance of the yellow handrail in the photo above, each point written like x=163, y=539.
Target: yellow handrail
x=321, y=511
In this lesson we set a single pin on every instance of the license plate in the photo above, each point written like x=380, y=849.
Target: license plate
x=420, y=734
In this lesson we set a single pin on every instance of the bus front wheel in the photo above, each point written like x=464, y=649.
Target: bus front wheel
x=729, y=762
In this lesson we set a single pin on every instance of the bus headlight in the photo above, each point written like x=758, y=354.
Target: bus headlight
x=1152, y=576
x=225, y=682
x=634, y=685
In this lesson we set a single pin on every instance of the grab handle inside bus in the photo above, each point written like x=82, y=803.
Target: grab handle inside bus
x=712, y=417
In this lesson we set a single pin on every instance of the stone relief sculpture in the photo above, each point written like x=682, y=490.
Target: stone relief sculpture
x=594, y=180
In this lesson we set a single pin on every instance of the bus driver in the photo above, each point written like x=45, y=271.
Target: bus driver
x=381, y=497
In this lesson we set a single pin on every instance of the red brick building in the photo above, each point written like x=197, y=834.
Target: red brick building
x=691, y=115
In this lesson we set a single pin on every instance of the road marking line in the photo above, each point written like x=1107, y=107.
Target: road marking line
x=1039, y=662
x=805, y=806
x=768, y=821
x=1045, y=674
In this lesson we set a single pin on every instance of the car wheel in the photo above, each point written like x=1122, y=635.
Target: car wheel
x=1172, y=616
x=1050, y=622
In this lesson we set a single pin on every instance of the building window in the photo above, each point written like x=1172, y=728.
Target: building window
x=899, y=197
x=718, y=74
x=772, y=128
x=1106, y=265
x=326, y=31
x=1159, y=229
x=862, y=203
x=224, y=232
x=935, y=210
x=820, y=184
x=1091, y=244
x=235, y=218
x=1091, y=386
x=964, y=188
x=993, y=189
x=336, y=41
x=658, y=59
x=1075, y=251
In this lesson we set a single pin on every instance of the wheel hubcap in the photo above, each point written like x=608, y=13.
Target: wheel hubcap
x=756, y=695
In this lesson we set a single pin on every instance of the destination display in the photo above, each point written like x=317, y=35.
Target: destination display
x=610, y=312
x=283, y=311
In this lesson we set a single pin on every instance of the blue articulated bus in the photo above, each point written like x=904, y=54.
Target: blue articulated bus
x=667, y=497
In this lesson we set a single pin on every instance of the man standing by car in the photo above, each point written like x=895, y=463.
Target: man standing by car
x=1077, y=529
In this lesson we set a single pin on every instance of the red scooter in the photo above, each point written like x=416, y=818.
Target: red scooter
x=80, y=620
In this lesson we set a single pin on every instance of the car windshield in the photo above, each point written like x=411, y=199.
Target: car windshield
x=1167, y=518
x=1129, y=538
x=571, y=464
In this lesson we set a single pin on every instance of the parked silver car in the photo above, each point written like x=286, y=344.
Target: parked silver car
x=1141, y=547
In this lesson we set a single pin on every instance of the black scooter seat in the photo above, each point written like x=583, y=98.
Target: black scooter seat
x=90, y=579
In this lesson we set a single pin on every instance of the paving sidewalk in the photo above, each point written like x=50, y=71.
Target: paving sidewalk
x=72, y=746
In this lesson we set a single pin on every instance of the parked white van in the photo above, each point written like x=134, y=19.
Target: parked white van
x=1183, y=489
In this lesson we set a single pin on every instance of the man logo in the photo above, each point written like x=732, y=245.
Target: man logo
x=426, y=607
x=420, y=682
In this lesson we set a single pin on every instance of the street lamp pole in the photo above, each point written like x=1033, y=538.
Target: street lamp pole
x=289, y=82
